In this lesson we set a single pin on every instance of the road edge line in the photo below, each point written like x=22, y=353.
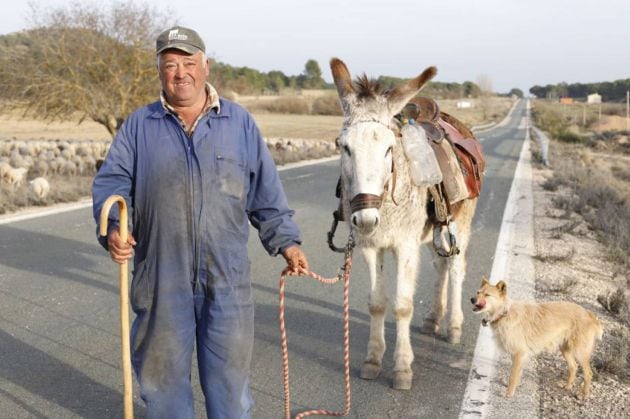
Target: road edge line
x=512, y=248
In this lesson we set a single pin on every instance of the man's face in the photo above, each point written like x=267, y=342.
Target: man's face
x=183, y=77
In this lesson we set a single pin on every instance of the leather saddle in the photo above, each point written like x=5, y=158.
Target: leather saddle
x=439, y=126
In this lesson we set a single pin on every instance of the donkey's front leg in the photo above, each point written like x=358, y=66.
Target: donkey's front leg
x=408, y=260
x=371, y=367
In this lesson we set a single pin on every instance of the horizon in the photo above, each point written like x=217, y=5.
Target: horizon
x=511, y=44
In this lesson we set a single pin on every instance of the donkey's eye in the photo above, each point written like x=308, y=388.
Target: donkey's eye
x=346, y=150
x=388, y=152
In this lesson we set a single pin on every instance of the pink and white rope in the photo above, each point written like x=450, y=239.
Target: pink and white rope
x=346, y=341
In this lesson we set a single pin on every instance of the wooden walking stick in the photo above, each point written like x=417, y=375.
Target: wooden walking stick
x=124, y=300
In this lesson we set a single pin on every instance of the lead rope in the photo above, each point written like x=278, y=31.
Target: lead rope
x=345, y=276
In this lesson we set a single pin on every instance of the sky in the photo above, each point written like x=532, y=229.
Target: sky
x=511, y=43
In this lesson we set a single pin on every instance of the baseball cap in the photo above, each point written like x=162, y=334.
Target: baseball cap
x=180, y=38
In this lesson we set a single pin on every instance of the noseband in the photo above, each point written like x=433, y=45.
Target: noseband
x=363, y=201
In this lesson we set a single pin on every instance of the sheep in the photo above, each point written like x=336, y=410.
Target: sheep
x=16, y=176
x=69, y=168
x=40, y=187
x=90, y=164
x=40, y=168
x=5, y=168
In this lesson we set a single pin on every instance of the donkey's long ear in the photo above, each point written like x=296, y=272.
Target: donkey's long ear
x=398, y=98
x=342, y=79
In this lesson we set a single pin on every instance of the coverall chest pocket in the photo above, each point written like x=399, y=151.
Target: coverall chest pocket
x=230, y=173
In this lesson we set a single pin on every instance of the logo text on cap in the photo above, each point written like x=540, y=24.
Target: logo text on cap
x=174, y=34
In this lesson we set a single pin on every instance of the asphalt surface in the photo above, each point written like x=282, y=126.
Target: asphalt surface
x=59, y=332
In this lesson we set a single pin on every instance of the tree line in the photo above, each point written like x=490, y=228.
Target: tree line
x=99, y=63
x=614, y=91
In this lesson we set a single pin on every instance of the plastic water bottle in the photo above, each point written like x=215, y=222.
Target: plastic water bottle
x=425, y=170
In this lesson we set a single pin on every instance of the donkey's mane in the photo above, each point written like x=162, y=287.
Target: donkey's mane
x=366, y=88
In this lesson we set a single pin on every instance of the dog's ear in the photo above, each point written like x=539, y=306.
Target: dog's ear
x=502, y=287
x=484, y=281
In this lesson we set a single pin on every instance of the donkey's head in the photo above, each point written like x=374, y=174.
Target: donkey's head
x=367, y=139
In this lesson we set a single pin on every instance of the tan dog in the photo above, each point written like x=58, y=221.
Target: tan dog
x=523, y=329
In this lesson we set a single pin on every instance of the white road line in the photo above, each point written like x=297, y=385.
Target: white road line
x=513, y=262
x=39, y=212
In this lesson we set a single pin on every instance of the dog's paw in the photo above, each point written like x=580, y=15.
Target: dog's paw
x=583, y=395
x=565, y=385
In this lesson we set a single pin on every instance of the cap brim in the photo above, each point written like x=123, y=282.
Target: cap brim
x=189, y=49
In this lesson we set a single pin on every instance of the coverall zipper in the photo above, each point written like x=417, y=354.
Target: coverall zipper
x=191, y=194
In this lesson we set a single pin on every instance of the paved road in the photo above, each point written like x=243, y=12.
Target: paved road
x=59, y=337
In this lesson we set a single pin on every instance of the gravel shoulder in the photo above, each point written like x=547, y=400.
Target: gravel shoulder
x=572, y=265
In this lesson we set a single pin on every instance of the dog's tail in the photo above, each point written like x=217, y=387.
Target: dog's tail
x=600, y=329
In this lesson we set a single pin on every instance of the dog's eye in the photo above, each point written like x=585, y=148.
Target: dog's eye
x=486, y=295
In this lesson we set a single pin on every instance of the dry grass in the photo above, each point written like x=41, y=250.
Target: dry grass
x=617, y=303
x=62, y=189
x=554, y=258
x=299, y=126
x=617, y=358
x=483, y=111
x=596, y=175
x=561, y=287
x=281, y=105
x=13, y=125
x=595, y=197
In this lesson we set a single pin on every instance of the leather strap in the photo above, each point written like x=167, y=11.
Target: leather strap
x=364, y=201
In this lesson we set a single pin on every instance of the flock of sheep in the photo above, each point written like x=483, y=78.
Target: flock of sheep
x=37, y=161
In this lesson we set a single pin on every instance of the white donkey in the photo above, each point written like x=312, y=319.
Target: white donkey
x=388, y=212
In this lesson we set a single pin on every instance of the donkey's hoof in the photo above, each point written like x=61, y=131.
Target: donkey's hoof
x=430, y=327
x=402, y=380
x=454, y=336
x=370, y=371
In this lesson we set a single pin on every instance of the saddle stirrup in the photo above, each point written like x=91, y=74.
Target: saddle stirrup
x=445, y=239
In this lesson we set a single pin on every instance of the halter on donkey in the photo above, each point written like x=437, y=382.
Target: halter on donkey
x=387, y=212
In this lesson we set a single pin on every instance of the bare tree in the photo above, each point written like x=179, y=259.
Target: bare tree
x=88, y=61
x=485, y=84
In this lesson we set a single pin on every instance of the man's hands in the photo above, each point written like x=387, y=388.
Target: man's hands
x=118, y=249
x=296, y=260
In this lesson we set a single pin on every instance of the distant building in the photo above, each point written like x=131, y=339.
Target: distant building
x=462, y=104
x=594, y=98
x=566, y=100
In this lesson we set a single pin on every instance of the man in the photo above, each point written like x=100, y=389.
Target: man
x=194, y=170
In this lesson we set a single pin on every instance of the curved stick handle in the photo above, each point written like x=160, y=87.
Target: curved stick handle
x=124, y=300
x=122, y=208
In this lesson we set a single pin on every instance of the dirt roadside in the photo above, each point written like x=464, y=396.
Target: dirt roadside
x=571, y=264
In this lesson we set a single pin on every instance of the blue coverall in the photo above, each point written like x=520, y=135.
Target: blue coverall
x=190, y=200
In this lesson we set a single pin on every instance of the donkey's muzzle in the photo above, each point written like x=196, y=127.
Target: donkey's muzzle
x=365, y=201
